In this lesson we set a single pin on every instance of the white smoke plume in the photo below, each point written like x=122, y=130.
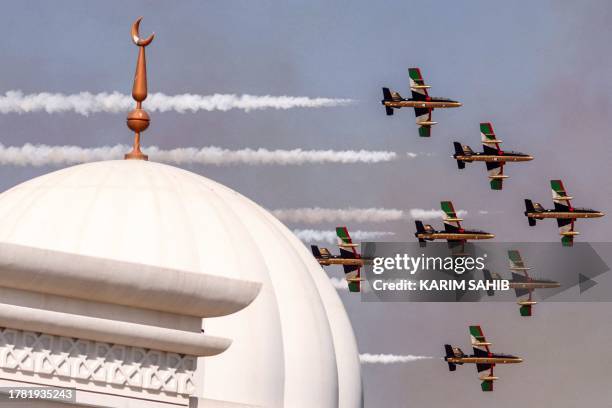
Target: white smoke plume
x=389, y=358
x=310, y=235
x=489, y=212
x=317, y=215
x=86, y=103
x=40, y=155
x=421, y=214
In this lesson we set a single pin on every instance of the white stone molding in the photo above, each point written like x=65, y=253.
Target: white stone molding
x=95, y=366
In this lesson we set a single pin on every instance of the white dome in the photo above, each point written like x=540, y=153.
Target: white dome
x=292, y=347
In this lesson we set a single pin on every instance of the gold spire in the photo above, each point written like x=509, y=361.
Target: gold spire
x=138, y=119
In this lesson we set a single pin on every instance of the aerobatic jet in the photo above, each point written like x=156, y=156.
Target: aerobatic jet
x=484, y=359
x=422, y=103
x=521, y=282
x=564, y=213
x=349, y=258
x=494, y=157
x=453, y=232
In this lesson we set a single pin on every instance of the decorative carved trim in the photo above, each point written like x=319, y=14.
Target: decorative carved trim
x=95, y=363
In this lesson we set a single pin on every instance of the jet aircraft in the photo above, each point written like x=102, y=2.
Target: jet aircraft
x=521, y=282
x=453, y=232
x=422, y=103
x=482, y=357
x=349, y=258
x=564, y=212
x=492, y=155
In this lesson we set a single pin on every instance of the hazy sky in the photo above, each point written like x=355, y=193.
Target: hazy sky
x=540, y=71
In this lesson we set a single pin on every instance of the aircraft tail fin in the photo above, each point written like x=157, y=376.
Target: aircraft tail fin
x=387, y=94
x=459, y=152
x=450, y=353
x=529, y=207
x=419, y=226
x=387, y=97
x=315, y=251
x=420, y=229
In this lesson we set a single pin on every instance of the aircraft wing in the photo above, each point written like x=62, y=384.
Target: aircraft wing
x=423, y=119
x=417, y=84
x=419, y=93
x=352, y=273
x=566, y=230
x=490, y=146
x=487, y=383
x=479, y=342
x=451, y=222
x=490, y=143
x=560, y=197
x=344, y=239
x=519, y=271
x=516, y=261
x=496, y=174
x=481, y=349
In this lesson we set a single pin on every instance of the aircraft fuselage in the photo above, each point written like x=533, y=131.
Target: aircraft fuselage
x=341, y=261
x=577, y=213
x=533, y=285
x=501, y=158
x=454, y=236
x=493, y=359
x=425, y=104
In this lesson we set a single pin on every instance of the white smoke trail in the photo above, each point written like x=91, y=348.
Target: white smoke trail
x=389, y=358
x=317, y=215
x=85, y=103
x=310, y=235
x=421, y=214
x=39, y=155
x=489, y=212
x=320, y=215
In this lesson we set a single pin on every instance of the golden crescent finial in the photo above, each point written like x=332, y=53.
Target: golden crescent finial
x=138, y=119
x=136, y=36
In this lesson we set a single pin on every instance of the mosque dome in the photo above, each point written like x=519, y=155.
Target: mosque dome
x=292, y=347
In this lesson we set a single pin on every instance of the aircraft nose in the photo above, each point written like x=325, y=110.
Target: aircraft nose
x=519, y=360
